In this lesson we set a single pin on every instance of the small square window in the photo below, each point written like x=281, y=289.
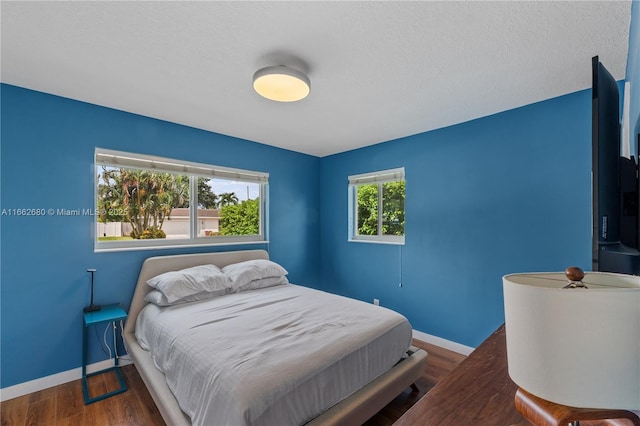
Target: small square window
x=376, y=207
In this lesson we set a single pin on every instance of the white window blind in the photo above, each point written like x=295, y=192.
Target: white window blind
x=138, y=161
x=390, y=175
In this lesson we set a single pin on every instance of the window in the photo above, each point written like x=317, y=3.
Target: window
x=144, y=201
x=376, y=206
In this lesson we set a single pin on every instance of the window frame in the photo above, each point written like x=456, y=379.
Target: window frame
x=379, y=178
x=107, y=157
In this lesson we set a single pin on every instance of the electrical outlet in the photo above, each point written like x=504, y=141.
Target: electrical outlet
x=376, y=302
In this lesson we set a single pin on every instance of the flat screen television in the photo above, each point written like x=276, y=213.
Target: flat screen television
x=615, y=184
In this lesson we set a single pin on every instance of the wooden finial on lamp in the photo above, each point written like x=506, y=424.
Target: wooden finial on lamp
x=575, y=276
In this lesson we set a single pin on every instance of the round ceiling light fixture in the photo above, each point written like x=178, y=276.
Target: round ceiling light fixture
x=281, y=83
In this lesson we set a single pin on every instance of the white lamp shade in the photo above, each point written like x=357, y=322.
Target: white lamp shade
x=577, y=347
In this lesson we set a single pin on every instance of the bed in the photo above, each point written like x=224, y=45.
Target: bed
x=277, y=305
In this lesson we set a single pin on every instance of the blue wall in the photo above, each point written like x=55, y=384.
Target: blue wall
x=47, y=162
x=501, y=194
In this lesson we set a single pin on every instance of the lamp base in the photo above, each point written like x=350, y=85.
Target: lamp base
x=92, y=308
x=546, y=413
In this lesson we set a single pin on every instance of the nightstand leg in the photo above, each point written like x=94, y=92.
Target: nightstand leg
x=85, y=388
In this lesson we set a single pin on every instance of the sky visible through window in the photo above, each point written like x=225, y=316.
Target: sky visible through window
x=243, y=190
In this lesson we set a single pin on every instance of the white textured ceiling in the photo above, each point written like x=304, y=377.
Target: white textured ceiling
x=378, y=70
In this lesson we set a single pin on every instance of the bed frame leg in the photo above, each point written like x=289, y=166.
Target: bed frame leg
x=414, y=388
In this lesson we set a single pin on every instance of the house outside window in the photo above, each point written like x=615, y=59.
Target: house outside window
x=145, y=201
x=376, y=207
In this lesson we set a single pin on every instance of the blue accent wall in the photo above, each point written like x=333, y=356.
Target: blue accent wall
x=501, y=194
x=47, y=154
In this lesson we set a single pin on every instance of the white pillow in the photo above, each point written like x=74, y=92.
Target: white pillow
x=157, y=298
x=262, y=283
x=243, y=273
x=176, y=285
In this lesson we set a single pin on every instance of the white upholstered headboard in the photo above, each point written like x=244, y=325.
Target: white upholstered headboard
x=160, y=264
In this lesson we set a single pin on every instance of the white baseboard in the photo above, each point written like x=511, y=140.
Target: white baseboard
x=61, y=378
x=443, y=343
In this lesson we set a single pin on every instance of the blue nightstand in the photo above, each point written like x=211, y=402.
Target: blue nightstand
x=108, y=314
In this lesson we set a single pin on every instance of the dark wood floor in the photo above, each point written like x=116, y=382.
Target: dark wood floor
x=63, y=405
x=439, y=363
